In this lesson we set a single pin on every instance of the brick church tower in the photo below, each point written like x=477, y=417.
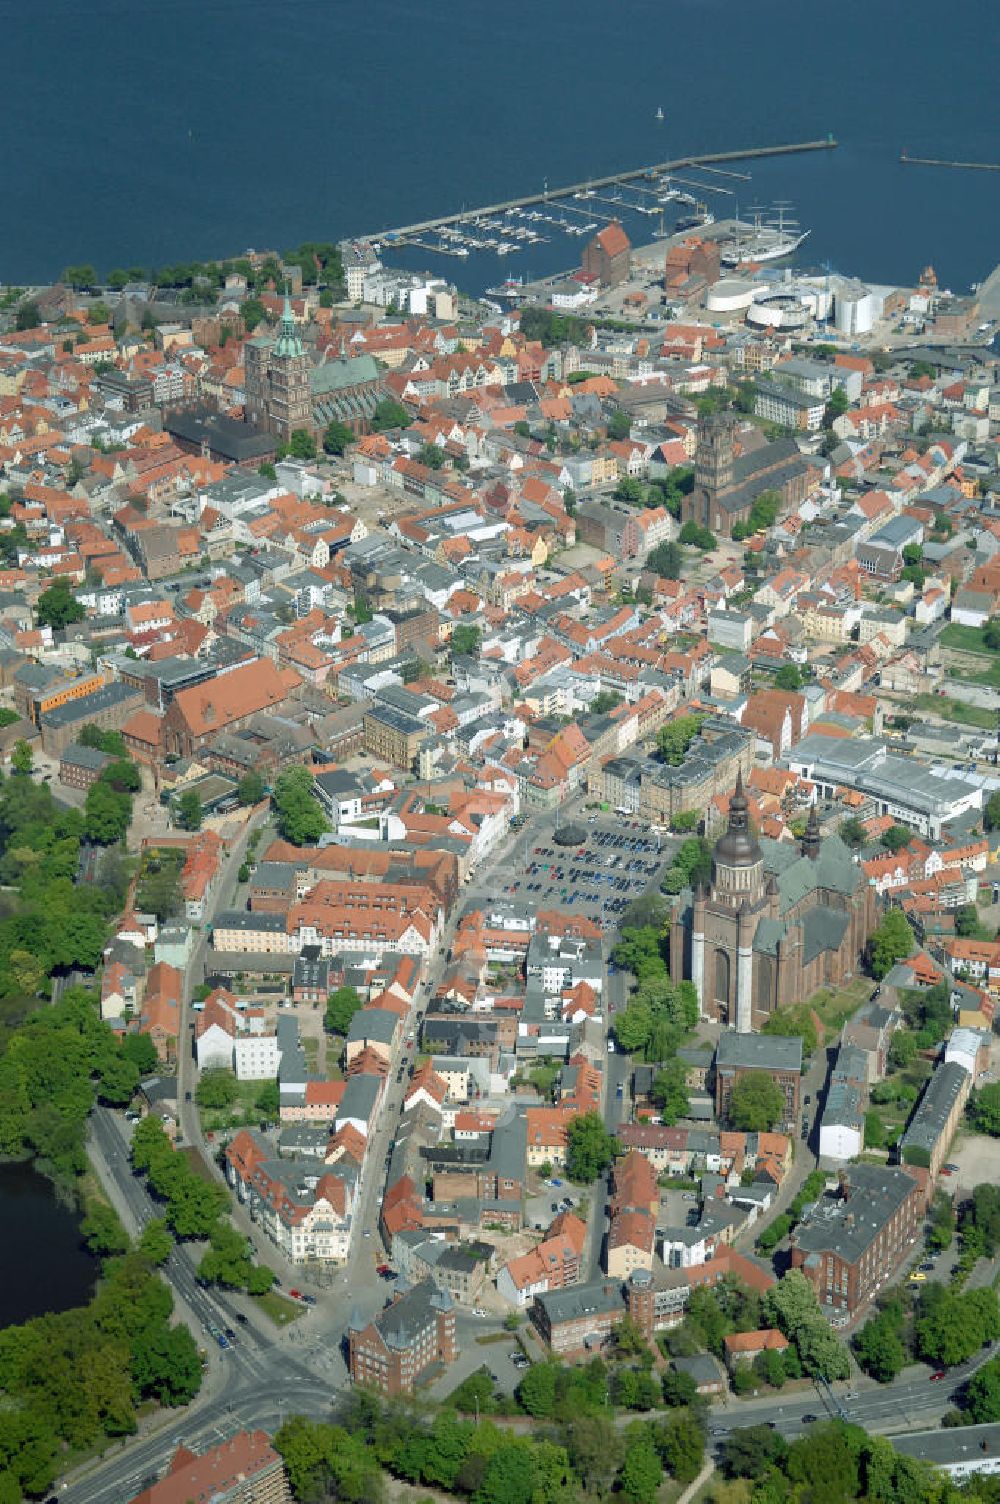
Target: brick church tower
x=278, y=395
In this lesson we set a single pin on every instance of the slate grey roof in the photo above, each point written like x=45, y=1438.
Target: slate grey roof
x=762, y=1052
x=576, y=1301
x=848, y=1228
x=415, y=1310
x=935, y=1106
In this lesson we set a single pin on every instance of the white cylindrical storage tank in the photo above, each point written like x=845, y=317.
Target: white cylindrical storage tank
x=778, y=311
x=854, y=310
x=730, y=295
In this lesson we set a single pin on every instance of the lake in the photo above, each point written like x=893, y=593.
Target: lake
x=144, y=133
x=44, y=1265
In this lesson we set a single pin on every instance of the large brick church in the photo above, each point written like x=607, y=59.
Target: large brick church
x=777, y=922
x=727, y=484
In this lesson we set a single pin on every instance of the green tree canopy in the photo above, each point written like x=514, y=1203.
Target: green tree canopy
x=756, y=1103
x=390, y=414
x=590, y=1148
x=300, y=817
x=337, y=437
x=250, y=789
x=58, y=607
x=341, y=1007
x=466, y=641
x=189, y=810
x=889, y=943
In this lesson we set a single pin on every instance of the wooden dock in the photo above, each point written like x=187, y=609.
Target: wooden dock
x=943, y=162
x=610, y=180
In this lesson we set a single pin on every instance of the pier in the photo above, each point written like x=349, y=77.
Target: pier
x=944, y=162
x=591, y=185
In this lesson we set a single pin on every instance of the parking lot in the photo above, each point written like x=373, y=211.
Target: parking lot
x=615, y=862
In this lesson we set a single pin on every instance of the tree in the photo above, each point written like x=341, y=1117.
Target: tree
x=156, y=1244
x=165, y=1364
x=390, y=414
x=982, y=1398
x=432, y=455
x=619, y=425
x=756, y=1103
x=942, y=1222
x=21, y=758
x=836, y=407
x=667, y=560
x=189, y=811
x=537, y=1390
x=253, y=313
x=991, y=814
x=630, y=490
x=106, y=814
x=680, y=1441
x=878, y=1345
x=896, y=838
x=679, y=1388
x=103, y=1231
x=902, y=1050
x=590, y=1148
x=466, y=642
x=788, y=677
x=28, y=315
x=341, y=1007
x=57, y=606
x=250, y=789
x=217, y=1089
x=669, y=1092
x=596, y=1451
x=983, y=1213
x=967, y=923
x=674, y=739
x=751, y=1452
x=119, y=1081
x=642, y=1473
x=300, y=817
x=80, y=277
x=697, y=537
x=337, y=437
x=984, y=1110
x=950, y=1326
x=889, y=943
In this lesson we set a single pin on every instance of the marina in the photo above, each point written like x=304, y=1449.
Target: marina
x=513, y=224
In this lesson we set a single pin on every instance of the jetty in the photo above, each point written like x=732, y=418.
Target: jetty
x=944, y=162
x=592, y=185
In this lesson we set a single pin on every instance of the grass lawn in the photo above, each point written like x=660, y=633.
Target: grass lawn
x=243, y=1110
x=965, y=639
x=835, y=1005
x=988, y=674
x=281, y=1310
x=957, y=711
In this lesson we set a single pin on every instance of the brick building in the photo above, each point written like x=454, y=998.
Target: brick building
x=849, y=1243
x=80, y=767
x=774, y=925
x=772, y=1055
x=607, y=255
x=727, y=484
x=413, y=1334
x=243, y=1470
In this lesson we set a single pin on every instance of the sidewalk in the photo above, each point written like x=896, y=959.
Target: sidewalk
x=697, y=1483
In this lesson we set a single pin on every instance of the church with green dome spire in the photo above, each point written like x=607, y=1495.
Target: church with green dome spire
x=278, y=396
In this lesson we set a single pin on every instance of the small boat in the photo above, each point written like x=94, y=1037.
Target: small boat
x=659, y=114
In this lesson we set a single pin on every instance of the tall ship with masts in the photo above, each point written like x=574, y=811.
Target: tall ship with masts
x=772, y=235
